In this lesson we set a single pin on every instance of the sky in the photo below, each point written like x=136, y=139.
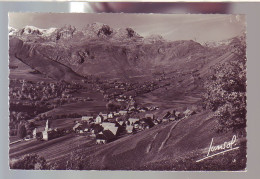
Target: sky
x=198, y=27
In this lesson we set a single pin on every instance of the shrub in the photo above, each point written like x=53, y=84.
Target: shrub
x=226, y=89
x=29, y=162
x=21, y=133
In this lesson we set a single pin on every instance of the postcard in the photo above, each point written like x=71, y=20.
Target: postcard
x=103, y=91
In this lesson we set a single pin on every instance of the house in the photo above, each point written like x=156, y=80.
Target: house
x=129, y=129
x=120, y=99
x=151, y=116
x=165, y=120
x=99, y=119
x=177, y=114
x=167, y=115
x=77, y=127
x=188, y=112
x=122, y=113
x=133, y=120
x=110, y=115
x=116, y=114
x=105, y=137
x=132, y=108
x=100, y=140
x=148, y=123
x=136, y=124
x=37, y=132
x=105, y=116
x=87, y=118
x=172, y=119
x=156, y=122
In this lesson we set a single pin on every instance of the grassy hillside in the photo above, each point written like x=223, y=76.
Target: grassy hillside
x=166, y=147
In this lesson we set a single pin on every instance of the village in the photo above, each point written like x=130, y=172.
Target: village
x=123, y=116
x=107, y=127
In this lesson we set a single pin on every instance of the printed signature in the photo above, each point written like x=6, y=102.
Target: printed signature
x=225, y=147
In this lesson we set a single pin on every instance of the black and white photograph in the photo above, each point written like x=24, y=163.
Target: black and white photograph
x=119, y=91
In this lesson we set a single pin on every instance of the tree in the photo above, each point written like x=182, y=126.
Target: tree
x=29, y=162
x=130, y=32
x=106, y=30
x=76, y=161
x=112, y=106
x=226, y=89
x=21, y=131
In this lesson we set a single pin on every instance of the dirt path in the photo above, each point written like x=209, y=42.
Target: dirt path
x=148, y=149
x=168, y=136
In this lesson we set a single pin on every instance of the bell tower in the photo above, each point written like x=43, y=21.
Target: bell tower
x=47, y=125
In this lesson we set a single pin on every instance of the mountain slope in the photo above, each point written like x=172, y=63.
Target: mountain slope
x=28, y=54
x=159, y=147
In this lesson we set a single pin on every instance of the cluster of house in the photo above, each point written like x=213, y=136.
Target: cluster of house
x=176, y=115
x=108, y=127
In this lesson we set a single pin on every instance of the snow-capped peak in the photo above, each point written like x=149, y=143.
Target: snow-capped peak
x=37, y=31
x=11, y=30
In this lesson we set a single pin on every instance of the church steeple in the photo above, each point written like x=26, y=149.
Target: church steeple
x=47, y=125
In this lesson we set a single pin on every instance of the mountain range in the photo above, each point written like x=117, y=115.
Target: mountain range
x=99, y=50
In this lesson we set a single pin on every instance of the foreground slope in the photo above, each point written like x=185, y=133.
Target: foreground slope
x=165, y=146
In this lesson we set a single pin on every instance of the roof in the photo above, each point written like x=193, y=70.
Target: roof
x=187, y=111
x=122, y=112
x=177, y=113
x=149, y=116
x=76, y=126
x=87, y=117
x=121, y=122
x=106, y=135
x=133, y=120
x=107, y=124
x=114, y=130
x=149, y=122
x=167, y=115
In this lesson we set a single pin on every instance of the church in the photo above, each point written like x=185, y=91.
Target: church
x=44, y=133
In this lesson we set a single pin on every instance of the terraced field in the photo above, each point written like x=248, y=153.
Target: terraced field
x=53, y=150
